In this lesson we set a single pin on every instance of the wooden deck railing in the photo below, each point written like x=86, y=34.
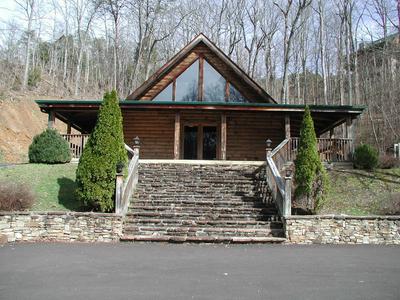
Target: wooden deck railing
x=330, y=150
x=126, y=186
x=279, y=166
x=76, y=143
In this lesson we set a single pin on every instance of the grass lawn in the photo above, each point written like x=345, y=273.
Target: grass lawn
x=54, y=185
x=357, y=192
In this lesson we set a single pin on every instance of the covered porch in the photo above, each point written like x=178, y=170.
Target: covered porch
x=211, y=131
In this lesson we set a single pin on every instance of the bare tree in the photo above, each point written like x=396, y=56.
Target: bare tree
x=291, y=14
x=28, y=7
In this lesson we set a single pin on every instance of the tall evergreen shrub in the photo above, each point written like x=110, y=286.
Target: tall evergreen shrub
x=310, y=175
x=95, y=176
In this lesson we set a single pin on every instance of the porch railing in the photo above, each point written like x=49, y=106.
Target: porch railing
x=124, y=187
x=76, y=143
x=330, y=149
x=277, y=162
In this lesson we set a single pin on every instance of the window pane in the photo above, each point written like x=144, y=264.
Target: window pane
x=214, y=84
x=235, y=95
x=187, y=84
x=165, y=94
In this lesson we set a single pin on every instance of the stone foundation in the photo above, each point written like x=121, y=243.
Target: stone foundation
x=60, y=226
x=329, y=229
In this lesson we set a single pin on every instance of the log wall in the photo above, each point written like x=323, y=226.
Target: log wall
x=246, y=132
x=155, y=130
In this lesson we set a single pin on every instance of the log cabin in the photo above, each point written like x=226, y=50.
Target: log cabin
x=202, y=106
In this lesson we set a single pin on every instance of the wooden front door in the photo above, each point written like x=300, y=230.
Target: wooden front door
x=200, y=142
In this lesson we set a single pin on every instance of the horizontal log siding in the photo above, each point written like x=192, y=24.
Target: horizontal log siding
x=248, y=131
x=155, y=130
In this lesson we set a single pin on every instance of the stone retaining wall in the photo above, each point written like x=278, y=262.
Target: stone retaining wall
x=329, y=229
x=60, y=226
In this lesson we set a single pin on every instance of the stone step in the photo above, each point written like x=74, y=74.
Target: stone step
x=200, y=196
x=203, y=209
x=199, y=216
x=273, y=222
x=190, y=202
x=202, y=231
x=202, y=239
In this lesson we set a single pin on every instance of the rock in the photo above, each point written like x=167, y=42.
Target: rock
x=3, y=239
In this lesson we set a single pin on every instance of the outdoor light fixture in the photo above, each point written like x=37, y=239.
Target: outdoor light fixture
x=269, y=143
x=136, y=141
x=120, y=167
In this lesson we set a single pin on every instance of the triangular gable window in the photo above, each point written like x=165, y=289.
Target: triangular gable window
x=165, y=94
x=187, y=84
x=235, y=95
x=214, y=86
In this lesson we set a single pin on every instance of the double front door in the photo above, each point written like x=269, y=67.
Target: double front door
x=200, y=142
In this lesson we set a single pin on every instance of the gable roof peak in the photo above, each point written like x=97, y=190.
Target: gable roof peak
x=260, y=93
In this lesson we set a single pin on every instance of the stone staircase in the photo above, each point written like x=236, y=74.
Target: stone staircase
x=202, y=203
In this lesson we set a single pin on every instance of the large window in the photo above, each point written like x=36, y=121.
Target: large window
x=187, y=84
x=213, y=84
x=201, y=74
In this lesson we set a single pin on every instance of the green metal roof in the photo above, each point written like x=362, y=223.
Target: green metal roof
x=359, y=108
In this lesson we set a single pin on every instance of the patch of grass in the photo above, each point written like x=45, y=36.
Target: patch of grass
x=53, y=185
x=356, y=192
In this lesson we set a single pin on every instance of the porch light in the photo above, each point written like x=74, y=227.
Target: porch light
x=120, y=167
x=269, y=143
x=136, y=141
x=288, y=172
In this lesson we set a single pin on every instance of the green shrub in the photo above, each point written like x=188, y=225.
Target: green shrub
x=365, y=157
x=15, y=196
x=49, y=147
x=95, y=176
x=310, y=176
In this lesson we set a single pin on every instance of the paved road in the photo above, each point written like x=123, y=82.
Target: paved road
x=165, y=271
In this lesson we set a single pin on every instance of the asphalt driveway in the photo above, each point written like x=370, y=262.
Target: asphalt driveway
x=165, y=271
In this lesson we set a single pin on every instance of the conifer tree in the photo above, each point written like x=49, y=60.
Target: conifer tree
x=310, y=175
x=95, y=176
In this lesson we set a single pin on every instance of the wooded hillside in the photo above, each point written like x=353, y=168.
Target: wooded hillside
x=300, y=51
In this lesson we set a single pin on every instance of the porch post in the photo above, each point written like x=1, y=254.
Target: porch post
x=223, y=136
x=287, y=127
x=332, y=133
x=69, y=128
x=350, y=135
x=177, y=135
x=349, y=128
x=51, y=119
